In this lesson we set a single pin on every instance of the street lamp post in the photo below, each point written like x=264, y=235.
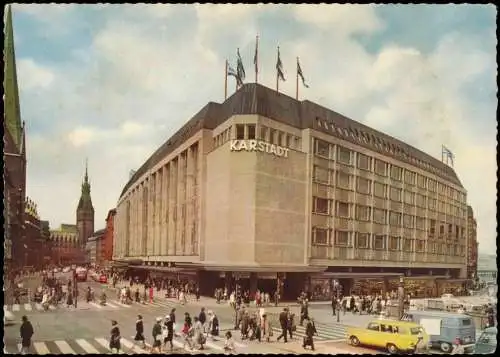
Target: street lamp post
x=75, y=289
x=401, y=297
x=338, y=288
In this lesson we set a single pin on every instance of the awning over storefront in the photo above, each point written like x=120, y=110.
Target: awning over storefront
x=166, y=269
x=356, y=275
x=257, y=268
x=453, y=281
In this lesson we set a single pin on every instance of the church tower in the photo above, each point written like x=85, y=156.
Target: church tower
x=85, y=212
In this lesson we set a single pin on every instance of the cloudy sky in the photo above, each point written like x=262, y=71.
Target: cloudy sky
x=112, y=83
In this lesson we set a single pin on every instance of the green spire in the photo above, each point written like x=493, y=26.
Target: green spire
x=85, y=199
x=12, y=108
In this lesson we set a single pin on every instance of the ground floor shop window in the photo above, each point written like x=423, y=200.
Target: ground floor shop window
x=320, y=289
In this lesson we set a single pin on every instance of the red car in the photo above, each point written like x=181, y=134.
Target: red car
x=103, y=279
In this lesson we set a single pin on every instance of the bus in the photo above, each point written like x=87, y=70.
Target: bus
x=81, y=274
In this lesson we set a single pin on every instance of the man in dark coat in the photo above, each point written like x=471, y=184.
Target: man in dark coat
x=284, y=324
x=310, y=332
x=202, y=317
x=304, y=311
x=26, y=331
x=114, y=339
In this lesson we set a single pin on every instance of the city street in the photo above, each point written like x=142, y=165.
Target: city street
x=86, y=328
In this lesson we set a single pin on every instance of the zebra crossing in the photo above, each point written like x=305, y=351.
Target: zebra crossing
x=325, y=332
x=83, y=305
x=100, y=345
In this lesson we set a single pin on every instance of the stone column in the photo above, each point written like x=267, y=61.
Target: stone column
x=385, y=286
x=253, y=284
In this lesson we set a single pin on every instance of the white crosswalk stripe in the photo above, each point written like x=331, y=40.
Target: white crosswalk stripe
x=97, y=306
x=41, y=348
x=131, y=346
x=16, y=307
x=324, y=332
x=87, y=347
x=27, y=307
x=65, y=348
x=100, y=345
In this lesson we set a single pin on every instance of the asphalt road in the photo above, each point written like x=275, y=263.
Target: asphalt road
x=87, y=328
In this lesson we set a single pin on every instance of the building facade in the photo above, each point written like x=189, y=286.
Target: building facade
x=66, y=247
x=263, y=189
x=108, y=236
x=85, y=212
x=36, y=239
x=95, y=248
x=14, y=156
x=47, y=247
x=472, y=244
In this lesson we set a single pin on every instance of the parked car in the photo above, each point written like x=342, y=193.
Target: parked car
x=487, y=342
x=395, y=336
x=444, y=327
x=103, y=279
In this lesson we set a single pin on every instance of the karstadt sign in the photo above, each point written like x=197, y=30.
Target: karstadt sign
x=256, y=145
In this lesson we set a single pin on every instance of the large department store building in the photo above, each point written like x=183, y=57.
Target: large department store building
x=270, y=191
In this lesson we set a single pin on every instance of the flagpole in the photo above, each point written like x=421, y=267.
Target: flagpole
x=297, y=81
x=277, y=73
x=225, y=81
x=257, y=59
x=442, y=153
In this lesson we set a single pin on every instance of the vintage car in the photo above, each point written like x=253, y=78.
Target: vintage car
x=393, y=335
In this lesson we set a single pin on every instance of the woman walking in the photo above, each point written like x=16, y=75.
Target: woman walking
x=168, y=332
x=114, y=340
x=157, y=335
x=139, y=331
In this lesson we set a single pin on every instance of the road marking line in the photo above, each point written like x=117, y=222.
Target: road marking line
x=214, y=346
x=16, y=307
x=179, y=344
x=65, y=348
x=39, y=306
x=28, y=307
x=240, y=345
x=103, y=342
x=87, y=347
x=113, y=306
x=120, y=304
x=41, y=348
x=132, y=346
x=95, y=305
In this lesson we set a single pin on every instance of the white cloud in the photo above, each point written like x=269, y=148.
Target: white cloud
x=33, y=75
x=81, y=136
x=133, y=88
x=339, y=19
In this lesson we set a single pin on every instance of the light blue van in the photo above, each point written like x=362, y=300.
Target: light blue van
x=444, y=327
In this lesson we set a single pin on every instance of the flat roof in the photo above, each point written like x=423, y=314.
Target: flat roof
x=437, y=313
x=256, y=99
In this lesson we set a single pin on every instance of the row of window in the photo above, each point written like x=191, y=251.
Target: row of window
x=359, y=137
x=223, y=137
x=330, y=207
x=382, y=168
x=267, y=134
x=365, y=186
x=330, y=237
